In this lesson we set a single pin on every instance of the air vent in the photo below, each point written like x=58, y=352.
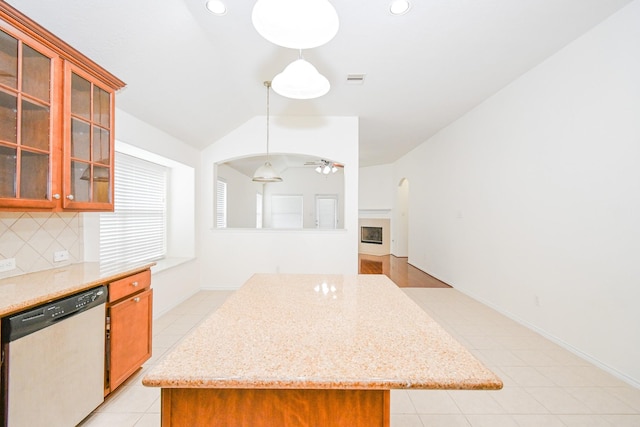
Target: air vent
x=355, y=79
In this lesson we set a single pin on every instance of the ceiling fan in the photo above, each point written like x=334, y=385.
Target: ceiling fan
x=325, y=167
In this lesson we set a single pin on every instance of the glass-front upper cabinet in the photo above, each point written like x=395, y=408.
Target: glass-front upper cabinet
x=26, y=125
x=88, y=166
x=56, y=121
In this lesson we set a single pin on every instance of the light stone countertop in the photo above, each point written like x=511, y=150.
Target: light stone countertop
x=18, y=293
x=320, y=332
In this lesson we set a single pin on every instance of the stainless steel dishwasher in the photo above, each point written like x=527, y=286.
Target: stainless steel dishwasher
x=53, y=361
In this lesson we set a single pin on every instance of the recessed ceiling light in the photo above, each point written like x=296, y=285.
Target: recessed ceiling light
x=399, y=7
x=217, y=7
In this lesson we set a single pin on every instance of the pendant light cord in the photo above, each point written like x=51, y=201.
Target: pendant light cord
x=268, y=85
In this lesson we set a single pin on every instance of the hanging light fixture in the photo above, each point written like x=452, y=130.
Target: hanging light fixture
x=301, y=80
x=295, y=24
x=266, y=172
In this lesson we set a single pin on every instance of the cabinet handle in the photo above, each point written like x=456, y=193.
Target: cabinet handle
x=136, y=299
x=56, y=196
x=134, y=284
x=70, y=197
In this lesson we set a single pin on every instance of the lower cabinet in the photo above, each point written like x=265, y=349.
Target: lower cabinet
x=129, y=319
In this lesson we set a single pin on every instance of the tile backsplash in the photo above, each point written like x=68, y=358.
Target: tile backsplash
x=32, y=238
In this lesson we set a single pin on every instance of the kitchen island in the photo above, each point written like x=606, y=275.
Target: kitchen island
x=310, y=350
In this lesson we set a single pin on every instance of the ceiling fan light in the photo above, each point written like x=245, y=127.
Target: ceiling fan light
x=266, y=173
x=300, y=80
x=295, y=24
x=326, y=170
x=319, y=169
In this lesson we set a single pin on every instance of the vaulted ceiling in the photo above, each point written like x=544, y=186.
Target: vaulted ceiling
x=198, y=76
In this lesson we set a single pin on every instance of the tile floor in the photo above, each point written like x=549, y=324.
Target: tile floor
x=544, y=384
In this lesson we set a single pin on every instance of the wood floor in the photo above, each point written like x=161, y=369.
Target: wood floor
x=399, y=270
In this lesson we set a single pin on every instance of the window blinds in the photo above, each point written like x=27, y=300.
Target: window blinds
x=136, y=230
x=221, y=204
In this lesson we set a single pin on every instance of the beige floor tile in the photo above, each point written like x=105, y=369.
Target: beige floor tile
x=558, y=401
x=404, y=420
x=538, y=421
x=491, y=421
x=600, y=401
x=527, y=376
x=149, y=420
x=623, y=420
x=111, y=420
x=584, y=420
x=401, y=403
x=515, y=400
x=476, y=401
x=433, y=402
x=444, y=421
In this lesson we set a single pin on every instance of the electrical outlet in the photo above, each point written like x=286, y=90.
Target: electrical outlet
x=59, y=256
x=7, y=264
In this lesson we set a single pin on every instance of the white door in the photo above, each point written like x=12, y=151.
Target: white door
x=327, y=211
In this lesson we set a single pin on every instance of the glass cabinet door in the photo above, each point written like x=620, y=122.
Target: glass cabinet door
x=25, y=124
x=90, y=162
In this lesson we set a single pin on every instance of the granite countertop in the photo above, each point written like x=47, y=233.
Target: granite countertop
x=28, y=290
x=320, y=332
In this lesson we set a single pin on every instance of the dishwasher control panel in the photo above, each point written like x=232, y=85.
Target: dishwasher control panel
x=32, y=320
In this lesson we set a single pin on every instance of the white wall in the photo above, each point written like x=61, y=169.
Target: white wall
x=175, y=284
x=307, y=183
x=377, y=190
x=530, y=202
x=229, y=257
x=241, y=197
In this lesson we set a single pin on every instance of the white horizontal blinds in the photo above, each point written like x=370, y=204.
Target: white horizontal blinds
x=136, y=230
x=286, y=211
x=221, y=204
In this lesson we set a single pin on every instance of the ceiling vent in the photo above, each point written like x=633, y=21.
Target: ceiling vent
x=355, y=79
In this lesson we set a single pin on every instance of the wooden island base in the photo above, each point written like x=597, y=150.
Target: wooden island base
x=188, y=407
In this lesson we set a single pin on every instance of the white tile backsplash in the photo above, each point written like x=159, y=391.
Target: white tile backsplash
x=33, y=237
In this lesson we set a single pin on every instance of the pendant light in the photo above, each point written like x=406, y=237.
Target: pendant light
x=295, y=24
x=301, y=80
x=266, y=172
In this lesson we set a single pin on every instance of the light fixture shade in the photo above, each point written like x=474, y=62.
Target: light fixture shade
x=266, y=173
x=300, y=80
x=295, y=24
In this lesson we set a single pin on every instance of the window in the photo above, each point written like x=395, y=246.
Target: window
x=136, y=230
x=286, y=211
x=221, y=204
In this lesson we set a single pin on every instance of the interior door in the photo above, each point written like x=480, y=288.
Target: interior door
x=327, y=211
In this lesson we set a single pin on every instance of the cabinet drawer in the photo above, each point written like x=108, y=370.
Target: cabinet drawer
x=129, y=285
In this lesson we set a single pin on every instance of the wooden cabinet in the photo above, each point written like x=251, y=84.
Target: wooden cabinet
x=129, y=319
x=56, y=122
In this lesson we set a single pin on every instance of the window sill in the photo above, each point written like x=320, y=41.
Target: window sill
x=167, y=263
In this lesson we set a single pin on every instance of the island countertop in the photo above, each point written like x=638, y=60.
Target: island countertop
x=355, y=332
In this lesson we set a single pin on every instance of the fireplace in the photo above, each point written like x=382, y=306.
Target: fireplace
x=371, y=235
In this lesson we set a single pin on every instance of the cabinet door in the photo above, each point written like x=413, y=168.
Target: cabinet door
x=130, y=338
x=28, y=131
x=88, y=143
